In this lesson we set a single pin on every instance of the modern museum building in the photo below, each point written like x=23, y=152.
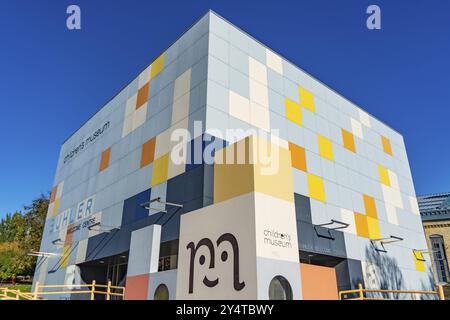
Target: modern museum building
x=223, y=171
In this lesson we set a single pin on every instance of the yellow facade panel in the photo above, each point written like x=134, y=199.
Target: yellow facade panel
x=419, y=261
x=384, y=175
x=316, y=187
x=306, y=99
x=369, y=205
x=65, y=256
x=55, y=208
x=325, y=148
x=252, y=174
x=275, y=179
x=373, y=227
x=293, y=112
x=160, y=170
x=362, y=228
x=157, y=66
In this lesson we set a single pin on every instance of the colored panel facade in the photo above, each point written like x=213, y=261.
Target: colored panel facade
x=221, y=136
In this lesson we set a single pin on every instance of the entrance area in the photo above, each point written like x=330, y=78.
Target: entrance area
x=117, y=270
x=319, y=277
x=112, y=269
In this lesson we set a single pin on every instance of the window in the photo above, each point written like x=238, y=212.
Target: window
x=167, y=263
x=440, y=258
x=280, y=289
x=161, y=292
x=168, y=256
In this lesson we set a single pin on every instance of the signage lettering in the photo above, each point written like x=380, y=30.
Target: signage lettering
x=86, y=142
x=226, y=237
x=83, y=210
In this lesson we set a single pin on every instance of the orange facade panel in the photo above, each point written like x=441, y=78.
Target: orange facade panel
x=387, y=148
x=298, y=157
x=142, y=96
x=318, y=282
x=53, y=194
x=137, y=287
x=104, y=161
x=148, y=152
x=348, y=140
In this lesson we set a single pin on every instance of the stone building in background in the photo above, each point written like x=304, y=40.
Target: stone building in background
x=435, y=212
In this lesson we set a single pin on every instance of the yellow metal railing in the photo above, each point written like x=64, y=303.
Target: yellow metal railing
x=360, y=293
x=107, y=290
x=91, y=289
x=12, y=294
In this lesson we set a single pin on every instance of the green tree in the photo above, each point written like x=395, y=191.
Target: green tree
x=9, y=251
x=9, y=227
x=29, y=234
x=21, y=233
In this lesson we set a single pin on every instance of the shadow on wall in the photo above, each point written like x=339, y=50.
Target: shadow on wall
x=430, y=285
x=382, y=272
x=355, y=282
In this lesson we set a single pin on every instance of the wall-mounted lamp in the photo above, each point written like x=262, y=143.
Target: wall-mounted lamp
x=146, y=205
x=332, y=225
x=383, y=241
x=43, y=254
x=418, y=253
x=58, y=242
x=102, y=227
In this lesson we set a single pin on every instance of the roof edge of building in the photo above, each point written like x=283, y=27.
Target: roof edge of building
x=439, y=194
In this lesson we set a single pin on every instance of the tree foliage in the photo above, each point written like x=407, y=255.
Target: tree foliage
x=9, y=227
x=9, y=251
x=21, y=233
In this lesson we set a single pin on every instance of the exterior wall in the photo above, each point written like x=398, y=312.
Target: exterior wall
x=235, y=217
x=120, y=157
x=252, y=223
x=142, y=261
x=350, y=166
x=342, y=164
x=168, y=278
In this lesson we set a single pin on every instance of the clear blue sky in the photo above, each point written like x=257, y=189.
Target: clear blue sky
x=53, y=79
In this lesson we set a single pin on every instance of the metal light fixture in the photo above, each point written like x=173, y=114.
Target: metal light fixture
x=329, y=226
x=384, y=241
x=422, y=252
x=102, y=227
x=58, y=242
x=146, y=205
x=42, y=254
